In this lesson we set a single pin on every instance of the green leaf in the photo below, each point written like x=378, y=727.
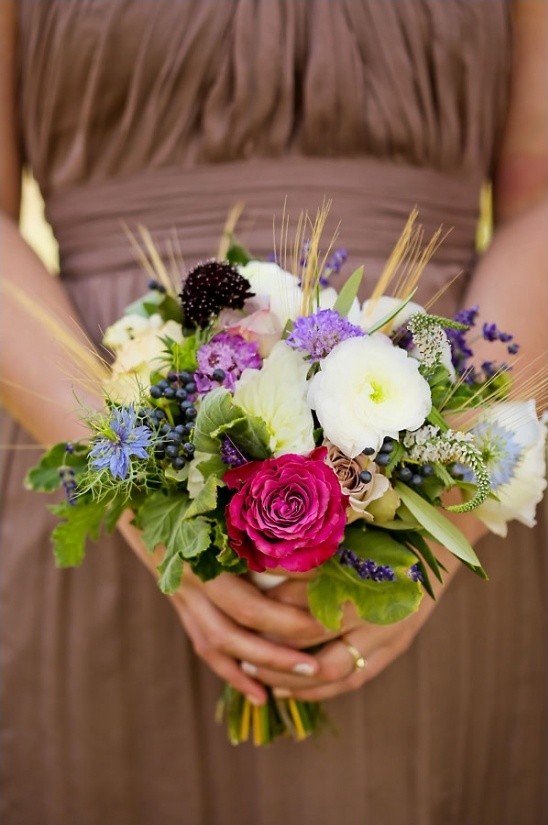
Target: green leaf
x=191, y=538
x=237, y=254
x=184, y=354
x=218, y=415
x=146, y=305
x=206, y=500
x=437, y=420
x=81, y=521
x=113, y=512
x=442, y=530
x=348, y=293
x=213, y=465
x=160, y=518
x=187, y=541
x=376, y=602
x=171, y=570
x=392, y=314
x=44, y=477
x=206, y=567
x=421, y=546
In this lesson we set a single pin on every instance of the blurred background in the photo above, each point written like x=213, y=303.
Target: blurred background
x=34, y=226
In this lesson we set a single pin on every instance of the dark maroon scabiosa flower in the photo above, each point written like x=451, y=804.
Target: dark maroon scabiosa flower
x=210, y=287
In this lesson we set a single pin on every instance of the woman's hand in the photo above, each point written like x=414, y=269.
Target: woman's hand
x=338, y=666
x=229, y=621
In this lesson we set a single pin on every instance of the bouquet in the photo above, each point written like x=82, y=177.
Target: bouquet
x=257, y=419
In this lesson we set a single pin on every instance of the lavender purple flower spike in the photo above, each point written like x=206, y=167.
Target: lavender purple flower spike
x=366, y=568
x=319, y=333
x=115, y=445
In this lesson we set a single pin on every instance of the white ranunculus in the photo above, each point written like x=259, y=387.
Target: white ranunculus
x=520, y=494
x=368, y=389
x=280, y=287
x=136, y=359
x=277, y=394
x=128, y=328
x=375, y=310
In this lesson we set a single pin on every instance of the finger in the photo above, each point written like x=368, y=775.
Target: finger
x=223, y=666
x=251, y=608
x=229, y=638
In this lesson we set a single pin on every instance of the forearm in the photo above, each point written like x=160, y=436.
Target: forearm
x=510, y=286
x=38, y=375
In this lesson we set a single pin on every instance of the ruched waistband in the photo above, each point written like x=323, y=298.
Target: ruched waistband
x=370, y=199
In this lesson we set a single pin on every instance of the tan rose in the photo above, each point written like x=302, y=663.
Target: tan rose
x=361, y=493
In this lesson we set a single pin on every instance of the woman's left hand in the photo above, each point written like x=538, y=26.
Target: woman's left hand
x=356, y=653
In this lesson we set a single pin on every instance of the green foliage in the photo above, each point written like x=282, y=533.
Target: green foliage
x=153, y=302
x=218, y=415
x=184, y=354
x=206, y=500
x=349, y=291
x=237, y=254
x=80, y=522
x=376, y=602
x=44, y=477
x=161, y=517
x=435, y=523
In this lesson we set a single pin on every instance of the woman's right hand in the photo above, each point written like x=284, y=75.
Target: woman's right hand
x=227, y=620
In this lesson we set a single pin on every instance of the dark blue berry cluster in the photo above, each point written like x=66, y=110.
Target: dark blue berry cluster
x=175, y=442
x=414, y=475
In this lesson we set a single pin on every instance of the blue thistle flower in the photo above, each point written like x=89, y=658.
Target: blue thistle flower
x=120, y=440
x=499, y=450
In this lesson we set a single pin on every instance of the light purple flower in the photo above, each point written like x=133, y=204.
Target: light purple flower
x=222, y=361
x=319, y=333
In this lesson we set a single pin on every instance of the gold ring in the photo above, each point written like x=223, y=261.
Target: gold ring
x=360, y=662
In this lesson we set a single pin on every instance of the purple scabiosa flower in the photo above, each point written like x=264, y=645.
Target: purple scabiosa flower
x=118, y=441
x=222, y=361
x=366, y=568
x=319, y=333
x=211, y=287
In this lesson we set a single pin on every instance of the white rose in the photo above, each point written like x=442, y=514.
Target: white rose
x=368, y=389
x=136, y=359
x=277, y=394
x=518, y=461
x=280, y=287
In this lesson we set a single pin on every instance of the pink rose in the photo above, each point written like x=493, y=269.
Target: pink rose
x=288, y=512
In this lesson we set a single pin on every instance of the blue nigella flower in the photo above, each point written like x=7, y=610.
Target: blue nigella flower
x=115, y=445
x=500, y=452
x=319, y=333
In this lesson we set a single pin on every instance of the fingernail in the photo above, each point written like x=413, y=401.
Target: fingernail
x=304, y=669
x=248, y=668
x=281, y=693
x=255, y=700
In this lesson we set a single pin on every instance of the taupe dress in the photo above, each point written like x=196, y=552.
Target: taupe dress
x=166, y=113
